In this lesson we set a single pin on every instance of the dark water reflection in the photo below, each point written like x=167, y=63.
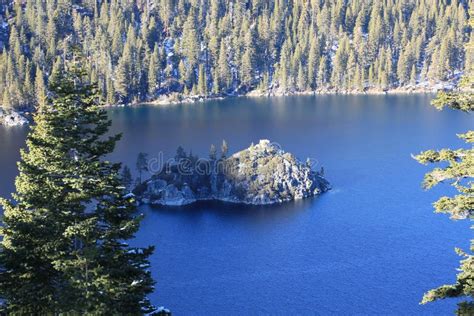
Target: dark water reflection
x=370, y=246
x=251, y=214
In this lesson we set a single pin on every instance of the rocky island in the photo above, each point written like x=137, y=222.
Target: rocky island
x=259, y=175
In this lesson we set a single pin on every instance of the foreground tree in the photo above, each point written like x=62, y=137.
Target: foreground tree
x=459, y=171
x=63, y=247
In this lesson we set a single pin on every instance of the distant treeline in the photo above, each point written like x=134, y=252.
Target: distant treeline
x=138, y=50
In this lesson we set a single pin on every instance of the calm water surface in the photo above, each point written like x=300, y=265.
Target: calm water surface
x=370, y=246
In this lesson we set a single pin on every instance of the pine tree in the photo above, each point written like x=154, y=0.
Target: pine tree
x=6, y=101
x=340, y=63
x=141, y=165
x=183, y=73
x=323, y=71
x=215, y=81
x=402, y=68
x=190, y=45
x=153, y=69
x=110, y=97
x=63, y=247
x=351, y=70
x=56, y=70
x=413, y=75
x=224, y=149
x=223, y=71
x=284, y=65
x=122, y=79
x=15, y=45
x=213, y=152
x=248, y=61
x=301, y=81
x=371, y=76
x=313, y=63
x=40, y=88
x=359, y=78
x=444, y=58
x=456, y=168
x=28, y=86
x=202, y=81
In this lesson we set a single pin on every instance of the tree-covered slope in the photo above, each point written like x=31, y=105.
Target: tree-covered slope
x=140, y=49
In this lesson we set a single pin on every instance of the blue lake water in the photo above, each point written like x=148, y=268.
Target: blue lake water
x=371, y=245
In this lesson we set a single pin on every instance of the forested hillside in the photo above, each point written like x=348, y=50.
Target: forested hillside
x=138, y=50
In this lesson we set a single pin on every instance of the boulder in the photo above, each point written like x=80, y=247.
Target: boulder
x=12, y=118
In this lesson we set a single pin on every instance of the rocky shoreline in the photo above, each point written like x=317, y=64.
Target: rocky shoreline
x=259, y=175
x=179, y=98
x=174, y=98
x=12, y=118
